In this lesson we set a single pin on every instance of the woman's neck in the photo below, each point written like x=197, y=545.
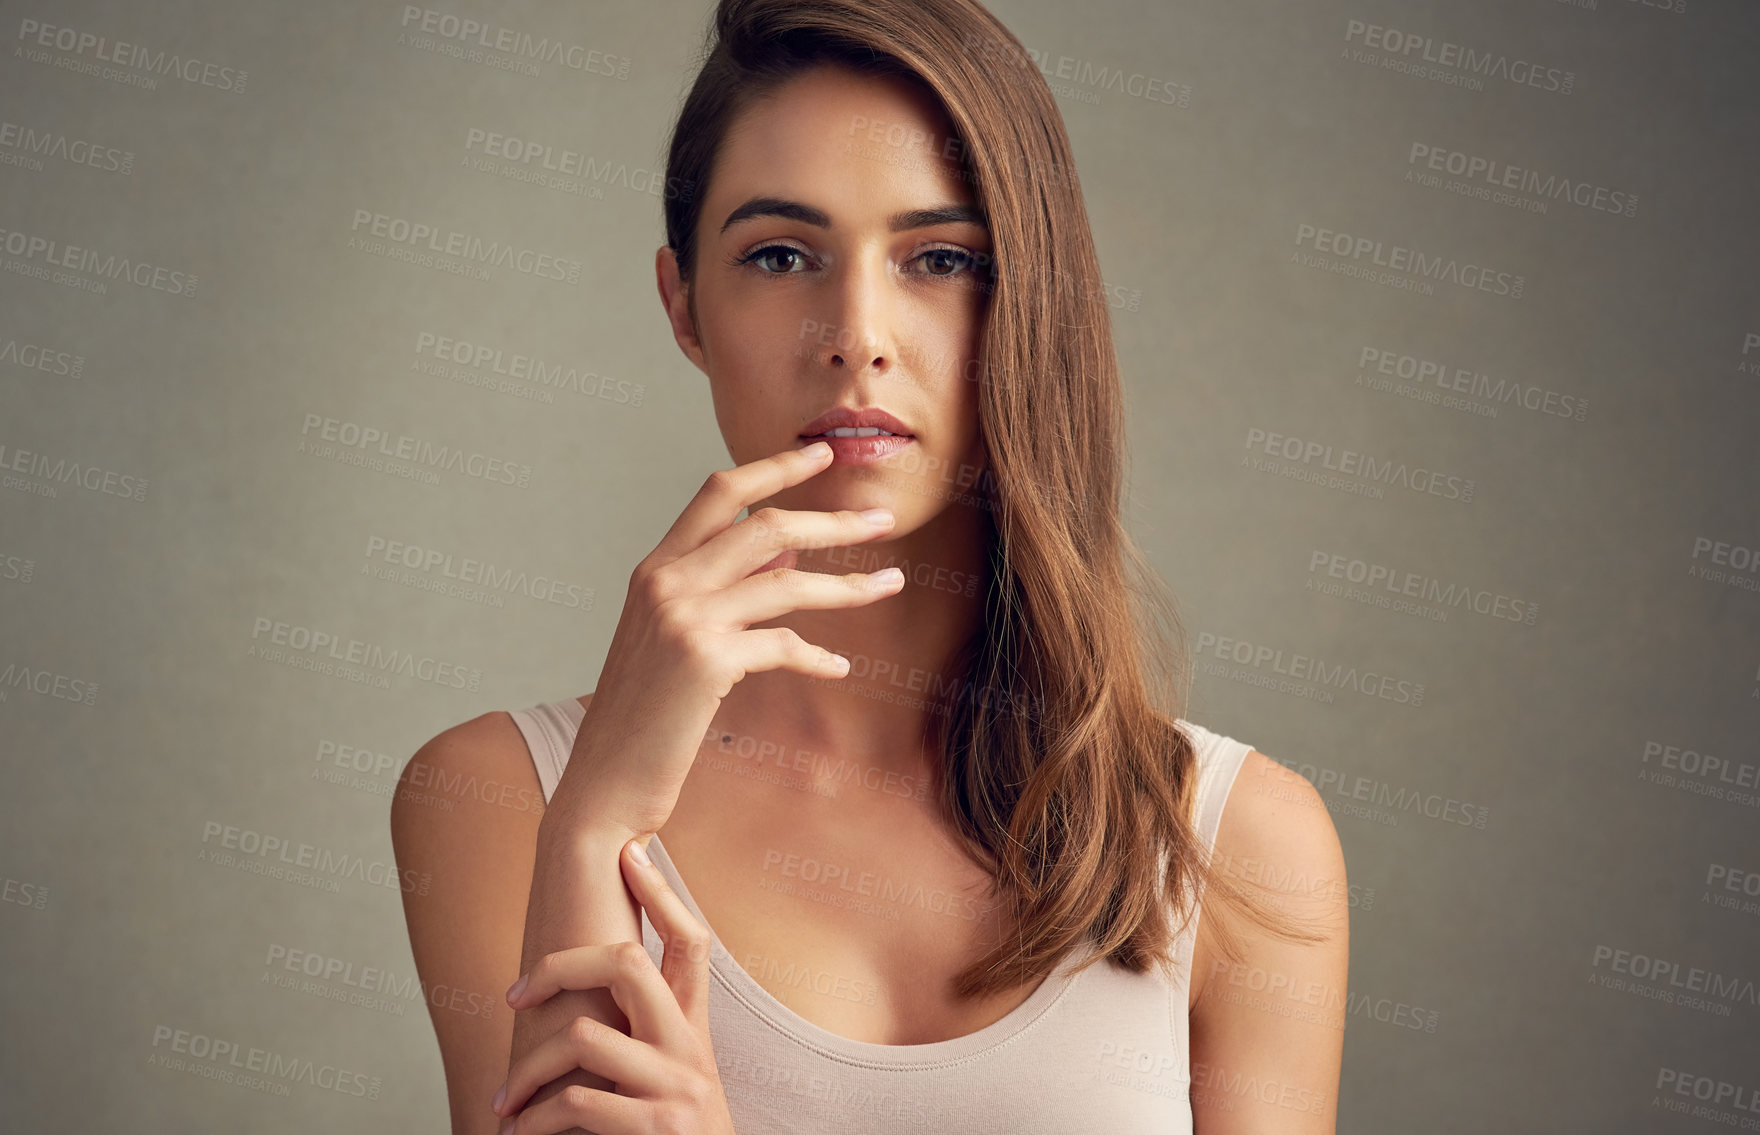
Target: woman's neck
x=901, y=649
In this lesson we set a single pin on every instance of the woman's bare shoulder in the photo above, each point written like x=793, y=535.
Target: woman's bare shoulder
x=470, y=789
x=1277, y=833
x=1277, y=838
x=1275, y=815
x=464, y=829
x=486, y=739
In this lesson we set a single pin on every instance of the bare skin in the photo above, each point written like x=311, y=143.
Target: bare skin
x=728, y=632
x=857, y=315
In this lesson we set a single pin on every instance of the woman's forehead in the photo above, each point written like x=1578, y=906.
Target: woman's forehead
x=858, y=149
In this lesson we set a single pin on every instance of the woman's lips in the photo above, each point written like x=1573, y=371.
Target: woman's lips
x=862, y=450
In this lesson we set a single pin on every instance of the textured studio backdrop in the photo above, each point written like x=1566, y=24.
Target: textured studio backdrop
x=336, y=405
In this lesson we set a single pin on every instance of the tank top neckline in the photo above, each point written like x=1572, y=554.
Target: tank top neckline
x=767, y=1007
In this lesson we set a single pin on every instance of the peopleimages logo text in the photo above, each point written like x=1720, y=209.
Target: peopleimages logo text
x=464, y=246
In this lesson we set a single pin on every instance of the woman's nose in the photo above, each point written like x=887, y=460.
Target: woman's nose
x=861, y=335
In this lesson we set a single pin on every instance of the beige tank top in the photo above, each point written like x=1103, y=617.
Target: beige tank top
x=1103, y=1050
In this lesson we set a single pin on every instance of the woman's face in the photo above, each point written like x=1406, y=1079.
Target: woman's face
x=841, y=263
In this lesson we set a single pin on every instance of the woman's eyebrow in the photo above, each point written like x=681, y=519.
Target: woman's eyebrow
x=898, y=222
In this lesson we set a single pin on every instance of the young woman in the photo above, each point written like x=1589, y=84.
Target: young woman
x=830, y=851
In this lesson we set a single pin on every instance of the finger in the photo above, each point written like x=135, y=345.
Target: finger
x=622, y=967
x=761, y=598
x=718, y=503
x=786, y=559
x=743, y=548
x=782, y=648
x=684, y=963
x=590, y=1109
x=584, y=1042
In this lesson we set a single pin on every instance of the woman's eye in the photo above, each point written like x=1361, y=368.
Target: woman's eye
x=770, y=255
x=785, y=259
x=946, y=261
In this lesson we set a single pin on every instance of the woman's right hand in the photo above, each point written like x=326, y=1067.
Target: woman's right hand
x=682, y=641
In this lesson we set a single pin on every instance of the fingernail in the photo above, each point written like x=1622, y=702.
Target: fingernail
x=877, y=515
x=817, y=449
x=887, y=576
x=500, y=1097
x=506, y=1126
x=517, y=988
x=639, y=853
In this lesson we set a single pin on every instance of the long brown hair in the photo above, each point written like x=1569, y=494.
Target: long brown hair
x=1057, y=771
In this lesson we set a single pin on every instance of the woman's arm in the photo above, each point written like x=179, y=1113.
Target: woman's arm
x=465, y=932
x=577, y=897
x=1267, y=1031
x=502, y=894
x=683, y=640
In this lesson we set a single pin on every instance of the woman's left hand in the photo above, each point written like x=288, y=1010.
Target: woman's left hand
x=664, y=1068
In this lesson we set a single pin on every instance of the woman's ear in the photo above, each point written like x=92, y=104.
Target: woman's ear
x=675, y=297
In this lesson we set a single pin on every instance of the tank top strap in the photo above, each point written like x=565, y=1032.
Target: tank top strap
x=1219, y=761
x=549, y=729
